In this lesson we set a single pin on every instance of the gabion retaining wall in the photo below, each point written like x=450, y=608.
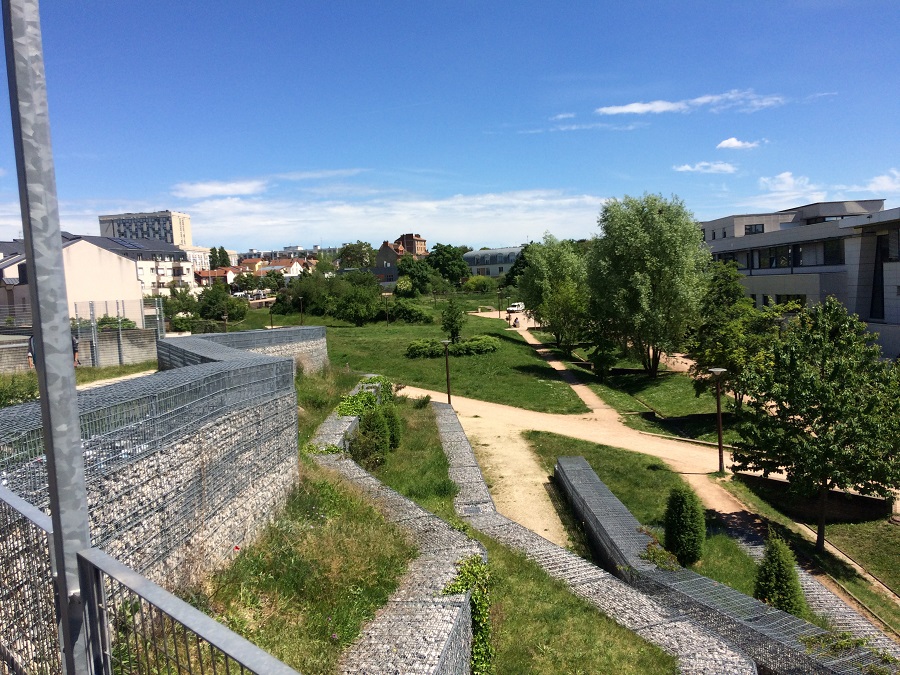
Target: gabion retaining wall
x=771, y=637
x=419, y=630
x=699, y=651
x=305, y=344
x=180, y=465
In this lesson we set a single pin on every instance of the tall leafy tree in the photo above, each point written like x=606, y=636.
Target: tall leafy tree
x=554, y=289
x=224, y=260
x=213, y=258
x=447, y=260
x=518, y=268
x=357, y=256
x=820, y=408
x=417, y=271
x=731, y=332
x=645, y=273
x=247, y=281
x=215, y=301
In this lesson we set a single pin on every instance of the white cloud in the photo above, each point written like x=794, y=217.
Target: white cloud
x=707, y=167
x=318, y=175
x=734, y=144
x=886, y=183
x=742, y=100
x=784, y=191
x=562, y=116
x=492, y=219
x=215, y=188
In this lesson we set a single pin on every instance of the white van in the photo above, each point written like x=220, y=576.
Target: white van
x=516, y=307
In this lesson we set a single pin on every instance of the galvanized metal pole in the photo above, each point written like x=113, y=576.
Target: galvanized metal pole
x=50, y=311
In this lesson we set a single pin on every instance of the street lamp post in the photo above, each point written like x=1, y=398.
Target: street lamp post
x=225, y=317
x=271, y=322
x=446, y=344
x=498, y=303
x=717, y=372
x=301, y=310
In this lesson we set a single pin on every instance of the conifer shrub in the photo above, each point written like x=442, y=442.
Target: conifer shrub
x=685, y=525
x=372, y=439
x=777, y=583
x=394, y=425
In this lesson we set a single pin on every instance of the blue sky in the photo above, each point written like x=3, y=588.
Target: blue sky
x=478, y=123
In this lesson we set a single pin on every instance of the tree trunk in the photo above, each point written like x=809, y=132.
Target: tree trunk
x=823, y=503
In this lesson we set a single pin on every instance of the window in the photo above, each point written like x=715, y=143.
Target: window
x=781, y=299
x=723, y=233
x=754, y=228
x=834, y=252
x=500, y=270
x=714, y=235
x=753, y=298
x=703, y=233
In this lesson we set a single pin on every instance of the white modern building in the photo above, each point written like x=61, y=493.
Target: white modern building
x=491, y=262
x=847, y=249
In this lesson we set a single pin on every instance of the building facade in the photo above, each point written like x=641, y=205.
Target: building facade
x=491, y=262
x=168, y=226
x=849, y=250
x=413, y=244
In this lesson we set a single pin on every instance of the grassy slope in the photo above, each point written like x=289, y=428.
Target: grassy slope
x=643, y=484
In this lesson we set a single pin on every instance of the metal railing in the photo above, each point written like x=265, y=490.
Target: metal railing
x=135, y=626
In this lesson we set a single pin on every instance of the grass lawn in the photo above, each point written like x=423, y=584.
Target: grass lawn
x=514, y=375
x=539, y=626
x=643, y=483
x=870, y=544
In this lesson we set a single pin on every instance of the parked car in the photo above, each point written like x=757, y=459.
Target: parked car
x=516, y=307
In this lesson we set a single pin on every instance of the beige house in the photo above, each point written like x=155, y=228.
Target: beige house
x=92, y=273
x=168, y=226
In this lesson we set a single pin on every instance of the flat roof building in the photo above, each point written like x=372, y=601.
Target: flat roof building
x=169, y=226
x=847, y=249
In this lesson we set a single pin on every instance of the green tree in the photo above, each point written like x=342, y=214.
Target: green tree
x=224, y=260
x=356, y=297
x=480, y=284
x=417, y=271
x=685, y=525
x=731, y=332
x=645, y=273
x=447, y=261
x=777, y=583
x=357, y=256
x=179, y=301
x=215, y=301
x=554, y=289
x=273, y=280
x=820, y=408
x=452, y=320
x=213, y=258
x=518, y=268
x=247, y=281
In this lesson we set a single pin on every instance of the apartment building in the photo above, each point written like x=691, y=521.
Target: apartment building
x=847, y=249
x=168, y=226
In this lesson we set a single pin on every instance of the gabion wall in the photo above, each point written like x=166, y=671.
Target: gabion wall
x=182, y=465
x=771, y=637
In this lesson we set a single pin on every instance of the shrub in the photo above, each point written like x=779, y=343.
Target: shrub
x=480, y=344
x=18, y=388
x=422, y=402
x=432, y=349
x=354, y=405
x=424, y=349
x=777, y=583
x=394, y=424
x=406, y=311
x=372, y=440
x=685, y=525
x=387, y=387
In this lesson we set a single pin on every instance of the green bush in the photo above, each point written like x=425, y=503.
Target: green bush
x=777, y=583
x=475, y=575
x=372, y=439
x=354, y=405
x=387, y=387
x=18, y=388
x=685, y=525
x=422, y=402
x=394, y=424
x=432, y=349
x=409, y=313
